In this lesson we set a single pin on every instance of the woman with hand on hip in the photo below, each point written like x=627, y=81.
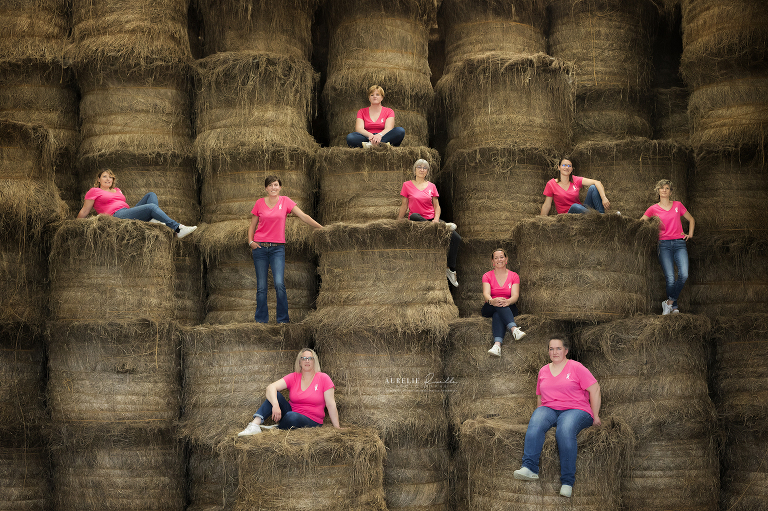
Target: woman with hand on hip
x=375, y=124
x=564, y=191
x=501, y=289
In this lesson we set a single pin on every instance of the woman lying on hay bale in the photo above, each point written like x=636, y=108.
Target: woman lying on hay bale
x=266, y=237
x=672, y=238
x=501, y=289
x=568, y=397
x=106, y=199
x=375, y=124
x=421, y=203
x=565, y=191
x=311, y=392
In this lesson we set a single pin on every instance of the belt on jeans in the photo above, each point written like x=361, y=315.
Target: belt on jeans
x=269, y=244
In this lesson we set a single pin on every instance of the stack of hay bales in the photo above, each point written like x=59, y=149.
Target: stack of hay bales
x=382, y=316
x=652, y=375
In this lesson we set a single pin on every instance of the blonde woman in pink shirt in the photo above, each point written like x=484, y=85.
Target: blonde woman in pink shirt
x=108, y=200
x=375, y=124
x=421, y=204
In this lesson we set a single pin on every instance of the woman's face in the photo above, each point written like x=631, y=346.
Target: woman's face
x=273, y=189
x=566, y=167
x=499, y=260
x=105, y=180
x=307, y=361
x=664, y=192
x=557, y=352
x=421, y=171
x=375, y=98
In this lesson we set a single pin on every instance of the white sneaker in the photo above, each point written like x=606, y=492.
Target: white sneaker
x=566, y=490
x=451, y=226
x=618, y=213
x=665, y=308
x=518, y=334
x=155, y=221
x=262, y=426
x=525, y=474
x=496, y=350
x=185, y=230
x=451, y=277
x=675, y=310
x=250, y=429
x=367, y=145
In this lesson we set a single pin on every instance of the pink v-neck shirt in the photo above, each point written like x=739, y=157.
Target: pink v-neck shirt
x=564, y=199
x=310, y=402
x=420, y=201
x=567, y=390
x=671, y=227
x=271, y=226
x=375, y=125
x=504, y=290
x=106, y=202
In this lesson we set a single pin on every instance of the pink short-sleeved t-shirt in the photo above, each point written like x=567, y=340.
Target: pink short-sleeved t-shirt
x=271, y=226
x=420, y=201
x=375, y=125
x=505, y=290
x=564, y=199
x=105, y=202
x=671, y=228
x=310, y=402
x=567, y=390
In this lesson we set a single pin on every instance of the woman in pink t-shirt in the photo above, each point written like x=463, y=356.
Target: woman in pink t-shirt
x=501, y=289
x=266, y=238
x=564, y=191
x=672, y=238
x=310, y=393
x=375, y=125
x=421, y=203
x=568, y=396
x=108, y=200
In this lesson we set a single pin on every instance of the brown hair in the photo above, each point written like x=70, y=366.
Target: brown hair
x=111, y=174
x=375, y=88
x=570, y=176
x=271, y=179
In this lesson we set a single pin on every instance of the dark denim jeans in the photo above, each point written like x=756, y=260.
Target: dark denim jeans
x=592, y=201
x=265, y=258
x=674, y=253
x=502, y=319
x=146, y=209
x=394, y=136
x=290, y=418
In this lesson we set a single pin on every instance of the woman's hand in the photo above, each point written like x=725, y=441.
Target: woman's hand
x=687, y=237
x=435, y=220
x=606, y=203
x=254, y=245
x=277, y=413
x=596, y=421
x=375, y=139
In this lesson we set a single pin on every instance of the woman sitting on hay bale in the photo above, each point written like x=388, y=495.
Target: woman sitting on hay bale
x=311, y=392
x=568, y=397
x=420, y=201
x=565, y=191
x=375, y=124
x=501, y=289
x=266, y=237
x=672, y=238
x=108, y=200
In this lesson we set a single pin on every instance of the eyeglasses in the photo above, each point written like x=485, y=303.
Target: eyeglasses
x=566, y=165
x=307, y=358
x=422, y=168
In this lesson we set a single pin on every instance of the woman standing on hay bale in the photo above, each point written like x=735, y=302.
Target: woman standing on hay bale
x=375, y=124
x=568, y=396
x=501, y=289
x=311, y=392
x=672, y=238
x=108, y=200
x=565, y=191
x=266, y=237
x=420, y=201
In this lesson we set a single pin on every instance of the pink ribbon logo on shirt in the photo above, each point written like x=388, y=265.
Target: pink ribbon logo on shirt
x=574, y=187
x=568, y=376
x=676, y=211
x=280, y=206
x=315, y=387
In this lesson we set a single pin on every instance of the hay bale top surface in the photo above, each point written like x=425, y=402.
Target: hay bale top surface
x=347, y=160
x=382, y=235
x=588, y=230
x=213, y=239
x=205, y=338
x=744, y=327
x=424, y=11
x=636, y=148
x=500, y=160
x=458, y=11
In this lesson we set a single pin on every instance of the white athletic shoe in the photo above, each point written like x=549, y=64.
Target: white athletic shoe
x=367, y=145
x=518, y=334
x=525, y=474
x=496, y=350
x=185, y=230
x=665, y=308
x=250, y=429
x=451, y=275
x=155, y=221
x=566, y=490
x=451, y=226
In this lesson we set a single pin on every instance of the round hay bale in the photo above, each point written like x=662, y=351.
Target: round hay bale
x=231, y=278
x=473, y=262
x=121, y=268
x=143, y=32
x=745, y=473
x=33, y=29
x=733, y=177
x=584, y=268
x=22, y=370
x=380, y=174
x=483, y=26
x=226, y=371
x=212, y=478
x=730, y=277
x=23, y=268
x=609, y=41
x=104, y=373
x=251, y=102
x=494, y=188
x=188, y=291
x=670, y=114
x=387, y=274
x=119, y=468
x=342, y=468
x=502, y=100
x=629, y=170
x=611, y=115
x=274, y=26
x=492, y=387
x=391, y=53
x=26, y=475
x=233, y=184
x=493, y=450
x=26, y=152
x=741, y=373
x=136, y=110
x=416, y=475
x=172, y=177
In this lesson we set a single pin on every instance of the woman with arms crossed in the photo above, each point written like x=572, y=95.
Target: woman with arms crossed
x=564, y=190
x=375, y=124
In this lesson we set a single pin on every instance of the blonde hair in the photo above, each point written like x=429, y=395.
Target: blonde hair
x=110, y=173
x=376, y=88
x=661, y=184
x=297, y=365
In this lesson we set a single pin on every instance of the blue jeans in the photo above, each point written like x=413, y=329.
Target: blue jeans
x=290, y=418
x=503, y=319
x=265, y=258
x=569, y=423
x=673, y=253
x=146, y=209
x=592, y=201
x=453, y=247
x=394, y=136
